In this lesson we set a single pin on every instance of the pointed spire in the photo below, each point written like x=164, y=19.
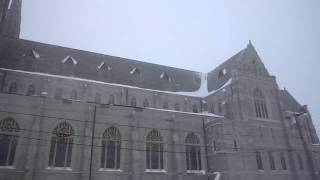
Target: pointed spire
x=10, y=18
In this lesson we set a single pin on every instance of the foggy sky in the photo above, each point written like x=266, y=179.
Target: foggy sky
x=195, y=35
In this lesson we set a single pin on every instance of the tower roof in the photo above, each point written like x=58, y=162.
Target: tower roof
x=10, y=20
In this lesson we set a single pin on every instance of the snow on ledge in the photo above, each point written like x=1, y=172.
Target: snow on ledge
x=218, y=175
x=196, y=171
x=110, y=170
x=60, y=168
x=155, y=171
x=6, y=167
x=201, y=92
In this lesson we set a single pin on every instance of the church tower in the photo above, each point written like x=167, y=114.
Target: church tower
x=10, y=18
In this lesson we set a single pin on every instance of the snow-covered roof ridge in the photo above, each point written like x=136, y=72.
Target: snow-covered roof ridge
x=184, y=112
x=201, y=92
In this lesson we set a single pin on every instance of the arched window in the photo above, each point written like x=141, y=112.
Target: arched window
x=235, y=145
x=212, y=108
x=177, y=107
x=165, y=105
x=193, y=152
x=111, y=99
x=283, y=161
x=271, y=161
x=214, y=145
x=31, y=90
x=13, y=88
x=260, y=104
x=154, y=150
x=300, y=162
x=204, y=106
x=259, y=161
x=219, y=106
x=97, y=98
x=133, y=102
x=74, y=94
x=111, y=145
x=195, y=109
x=145, y=103
x=58, y=93
x=61, y=146
x=9, y=135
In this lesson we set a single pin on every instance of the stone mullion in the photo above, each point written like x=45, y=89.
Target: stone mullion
x=9, y=150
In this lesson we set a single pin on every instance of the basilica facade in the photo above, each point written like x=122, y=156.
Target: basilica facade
x=78, y=115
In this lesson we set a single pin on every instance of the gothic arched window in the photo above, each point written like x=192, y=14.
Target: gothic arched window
x=177, y=107
x=145, y=103
x=260, y=104
x=111, y=145
x=193, y=152
x=58, y=93
x=31, y=90
x=13, y=88
x=97, y=98
x=165, y=105
x=61, y=146
x=195, y=109
x=283, y=161
x=111, y=99
x=74, y=94
x=219, y=106
x=271, y=161
x=133, y=102
x=300, y=162
x=212, y=108
x=9, y=135
x=259, y=161
x=154, y=150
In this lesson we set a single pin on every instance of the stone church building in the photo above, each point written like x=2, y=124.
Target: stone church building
x=77, y=115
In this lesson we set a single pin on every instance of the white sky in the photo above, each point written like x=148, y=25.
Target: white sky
x=196, y=35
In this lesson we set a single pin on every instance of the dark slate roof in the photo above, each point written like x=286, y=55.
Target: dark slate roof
x=214, y=82
x=17, y=54
x=289, y=103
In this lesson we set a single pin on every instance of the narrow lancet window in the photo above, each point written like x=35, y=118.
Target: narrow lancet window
x=13, y=88
x=260, y=104
x=58, y=93
x=145, y=103
x=259, y=161
x=31, y=90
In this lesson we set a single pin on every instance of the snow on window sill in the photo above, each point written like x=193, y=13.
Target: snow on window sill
x=60, y=168
x=110, y=170
x=196, y=171
x=156, y=171
x=6, y=167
